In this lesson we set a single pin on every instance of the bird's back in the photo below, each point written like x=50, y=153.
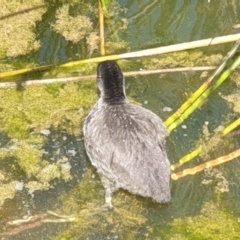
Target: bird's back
x=126, y=143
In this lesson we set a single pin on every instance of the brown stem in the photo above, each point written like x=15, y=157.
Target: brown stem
x=90, y=77
x=212, y=163
x=101, y=28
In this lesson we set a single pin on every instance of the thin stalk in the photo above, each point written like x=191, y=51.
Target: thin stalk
x=105, y=4
x=234, y=134
x=187, y=158
x=148, y=52
x=201, y=167
x=90, y=77
x=204, y=96
x=26, y=70
x=101, y=28
x=204, y=86
x=198, y=151
x=231, y=127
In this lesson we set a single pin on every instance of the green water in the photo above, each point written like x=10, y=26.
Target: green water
x=204, y=206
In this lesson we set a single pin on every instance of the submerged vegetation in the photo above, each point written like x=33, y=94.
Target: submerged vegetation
x=17, y=32
x=35, y=108
x=91, y=221
x=26, y=115
x=81, y=27
x=76, y=25
x=67, y=25
x=183, y=59
x=213, y=222
x=36, y=123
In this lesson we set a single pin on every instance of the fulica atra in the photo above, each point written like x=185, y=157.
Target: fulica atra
x=126, y=142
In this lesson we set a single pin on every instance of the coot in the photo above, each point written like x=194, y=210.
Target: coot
x=126, y=142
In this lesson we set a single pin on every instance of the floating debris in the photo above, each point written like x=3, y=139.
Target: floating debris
x=45, y=132
x=19, y=186
x=167, y=109
x=71, y=153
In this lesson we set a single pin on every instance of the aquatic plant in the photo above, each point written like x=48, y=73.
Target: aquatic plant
x=16, y=25
x=213, y=223
x=29, y=112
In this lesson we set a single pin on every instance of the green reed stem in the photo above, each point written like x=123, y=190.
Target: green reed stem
x=142, y=53
x=231, y=127
x=203, y=88
x=187, y=158
x=105, y=4
x=204, y=96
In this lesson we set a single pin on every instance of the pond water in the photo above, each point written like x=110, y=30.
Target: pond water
x=43, y=164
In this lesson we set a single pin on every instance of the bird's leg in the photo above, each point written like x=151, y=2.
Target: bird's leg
x=110, y=187
x=108, y=199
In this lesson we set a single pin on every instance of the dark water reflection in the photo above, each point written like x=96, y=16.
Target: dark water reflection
x=204, y=206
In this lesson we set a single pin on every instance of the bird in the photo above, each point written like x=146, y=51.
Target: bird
x=126, y=142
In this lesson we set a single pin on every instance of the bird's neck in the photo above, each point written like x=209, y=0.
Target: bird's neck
x=114, y=96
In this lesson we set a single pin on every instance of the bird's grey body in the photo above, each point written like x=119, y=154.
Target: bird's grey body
x=126, y=142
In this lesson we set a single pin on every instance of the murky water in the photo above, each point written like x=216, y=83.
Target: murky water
x=43, y=164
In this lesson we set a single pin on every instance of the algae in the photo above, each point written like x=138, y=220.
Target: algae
x=33, y=186
x=28, y=158
x=3, y=154
x=49, y=173
x=67, y=21
x=113, y=47
x=93, y=42
x=72, y=28
x=17, y=35
x=25, y=113
x=37, y=108
x=85, y=201
x=65, y=171
x=215, y=176
x=7, y=191
x=2, y=176
x=233, y=99
x=189, y=58
x=213, y=223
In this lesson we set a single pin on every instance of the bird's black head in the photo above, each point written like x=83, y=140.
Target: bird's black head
x=111, y=83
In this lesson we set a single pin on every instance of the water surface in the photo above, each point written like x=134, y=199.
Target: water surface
x=41, y=136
